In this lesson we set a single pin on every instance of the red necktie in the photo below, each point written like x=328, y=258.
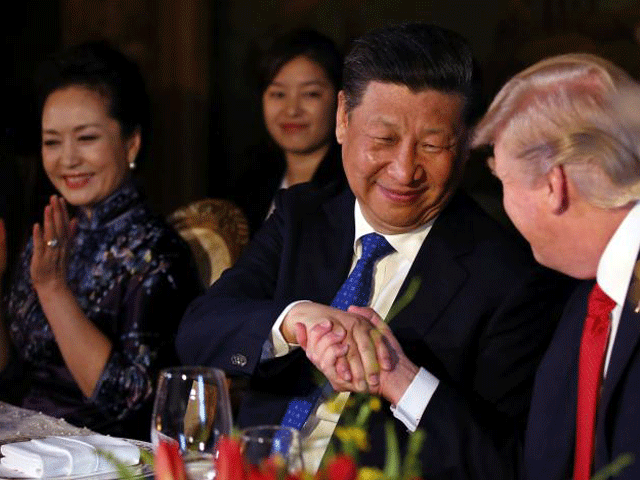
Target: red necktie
x=595, y=334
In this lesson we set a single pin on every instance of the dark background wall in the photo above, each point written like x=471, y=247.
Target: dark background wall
x=195, y=53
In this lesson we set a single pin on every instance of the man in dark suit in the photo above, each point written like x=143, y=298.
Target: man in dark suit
x=566, y=138
x=480, y=309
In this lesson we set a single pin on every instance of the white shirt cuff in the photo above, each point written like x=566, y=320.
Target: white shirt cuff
x=415, y=399
x=280, y=346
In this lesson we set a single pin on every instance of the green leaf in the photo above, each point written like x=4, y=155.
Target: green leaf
x=615, y=467
x=392, y=462
x=406, y=298
x=125, y=472
x=412, y=467
x=146, y=457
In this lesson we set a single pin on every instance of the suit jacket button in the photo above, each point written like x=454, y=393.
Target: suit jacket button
x=238, y=359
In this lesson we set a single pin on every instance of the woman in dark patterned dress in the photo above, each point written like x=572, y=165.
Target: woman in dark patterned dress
x=94, y=307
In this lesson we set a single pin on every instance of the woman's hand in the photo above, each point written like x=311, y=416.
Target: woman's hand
x=85, y=349
x=51, y=244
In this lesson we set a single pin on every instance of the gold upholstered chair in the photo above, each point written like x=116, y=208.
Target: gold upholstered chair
x=216, y=230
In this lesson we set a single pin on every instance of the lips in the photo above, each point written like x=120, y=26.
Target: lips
x=400, y=195
x=293, y=127
x=77, y=181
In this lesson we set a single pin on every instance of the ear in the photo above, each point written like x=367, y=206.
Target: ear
x=133, y=144
x=342, y=118
x=557, y=192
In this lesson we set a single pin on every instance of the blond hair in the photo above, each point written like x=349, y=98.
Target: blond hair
x=575, y=110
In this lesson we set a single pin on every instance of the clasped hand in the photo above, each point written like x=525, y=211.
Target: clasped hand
x=355, y=349
x=50, y=245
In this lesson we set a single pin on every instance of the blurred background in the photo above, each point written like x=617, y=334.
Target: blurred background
x=196, y=55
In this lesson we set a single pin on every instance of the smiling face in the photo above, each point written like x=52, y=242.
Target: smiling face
x=299, y=107
x=401, y=153
x=83, y=151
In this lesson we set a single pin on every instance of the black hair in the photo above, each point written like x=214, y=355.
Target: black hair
x=307, y=42
x=99, y=66
x=419, y=56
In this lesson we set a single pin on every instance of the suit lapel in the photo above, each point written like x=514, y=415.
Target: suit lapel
x=437, y=267
x=624, y=346
x=337, y=245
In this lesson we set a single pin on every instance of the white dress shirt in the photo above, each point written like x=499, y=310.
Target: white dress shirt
x=389, y=275
x=616, y=267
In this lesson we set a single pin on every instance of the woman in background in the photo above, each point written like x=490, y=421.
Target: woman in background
x=96, y=300
x=298, y=78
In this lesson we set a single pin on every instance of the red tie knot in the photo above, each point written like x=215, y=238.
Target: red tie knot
x=599, y=302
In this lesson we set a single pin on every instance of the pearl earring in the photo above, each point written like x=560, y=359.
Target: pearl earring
x=132, y=165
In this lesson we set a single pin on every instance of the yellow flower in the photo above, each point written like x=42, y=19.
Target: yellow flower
x=353, y=434
x=375, y=404
x=337, y=403
x=369, y=473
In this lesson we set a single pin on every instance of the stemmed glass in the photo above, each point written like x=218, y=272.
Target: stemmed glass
x=261, y=443
x=192, y=409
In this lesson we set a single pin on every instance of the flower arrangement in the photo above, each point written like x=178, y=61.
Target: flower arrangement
x=341, y=461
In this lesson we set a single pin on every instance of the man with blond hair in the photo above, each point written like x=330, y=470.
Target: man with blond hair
x=566, y=146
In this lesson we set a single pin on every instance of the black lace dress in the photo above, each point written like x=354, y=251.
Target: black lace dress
x=133, y=277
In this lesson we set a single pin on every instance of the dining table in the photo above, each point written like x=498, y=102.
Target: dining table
x=20, y=424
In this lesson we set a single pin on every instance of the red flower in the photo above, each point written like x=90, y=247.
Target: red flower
x=168, y=462
x=229, y=464
x=342, y=467
x=256, y=473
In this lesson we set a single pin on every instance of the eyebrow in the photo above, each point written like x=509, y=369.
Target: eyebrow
x=75, y=129
x=387, y=121
x=307, y=83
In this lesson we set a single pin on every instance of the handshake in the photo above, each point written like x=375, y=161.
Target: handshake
x=355, y=350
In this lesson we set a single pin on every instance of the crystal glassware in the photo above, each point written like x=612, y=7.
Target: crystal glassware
x=267, y=442
x=192, y=409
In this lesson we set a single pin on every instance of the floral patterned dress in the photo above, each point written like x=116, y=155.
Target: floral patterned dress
x=133, y=277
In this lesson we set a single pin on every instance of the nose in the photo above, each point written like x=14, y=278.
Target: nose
x=405, y=167
x=293, y=104
x=69, y=156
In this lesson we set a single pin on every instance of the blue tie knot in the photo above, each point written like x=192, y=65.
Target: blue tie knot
x=356, y=290
x=374, y=246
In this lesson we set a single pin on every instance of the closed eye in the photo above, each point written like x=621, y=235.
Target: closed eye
x=431, y=148
x=88, y=138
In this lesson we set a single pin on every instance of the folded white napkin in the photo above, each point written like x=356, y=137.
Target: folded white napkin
x=64, y=456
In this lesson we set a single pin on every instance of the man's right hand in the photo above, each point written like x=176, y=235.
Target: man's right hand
x=348, y=347
x=393, y=382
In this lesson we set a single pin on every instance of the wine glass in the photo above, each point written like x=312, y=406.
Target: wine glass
x=192, y=409
x=260, y=443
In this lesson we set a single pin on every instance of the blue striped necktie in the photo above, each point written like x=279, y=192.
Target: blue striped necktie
x=356, y=290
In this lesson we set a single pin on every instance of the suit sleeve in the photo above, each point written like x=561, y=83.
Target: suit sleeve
x=466, y=439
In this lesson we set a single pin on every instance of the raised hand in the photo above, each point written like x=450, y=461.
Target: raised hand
x=51, y=244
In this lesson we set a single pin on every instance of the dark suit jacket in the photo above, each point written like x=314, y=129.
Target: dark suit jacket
x=479, y=322
x=550, y=438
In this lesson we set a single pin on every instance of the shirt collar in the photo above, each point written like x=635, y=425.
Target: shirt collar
x=619, y=257
x=121, y=200
x=406, y=244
